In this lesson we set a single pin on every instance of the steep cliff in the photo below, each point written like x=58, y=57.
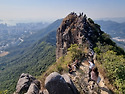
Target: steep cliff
x=76, y=29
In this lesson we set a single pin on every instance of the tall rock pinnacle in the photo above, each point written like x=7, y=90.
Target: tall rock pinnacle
x=74, y=29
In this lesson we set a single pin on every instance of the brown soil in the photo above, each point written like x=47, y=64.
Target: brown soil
x=4, y=54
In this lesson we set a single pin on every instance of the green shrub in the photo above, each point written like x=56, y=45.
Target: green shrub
x=97, y=50
x=97, y=26
x=59, y=68
x=113, y=64
x=76, y=51
x=90, y=20
x=4, y=92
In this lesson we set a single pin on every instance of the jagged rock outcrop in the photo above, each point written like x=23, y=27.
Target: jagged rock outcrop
x=57, y=84
x=75, y=29
x=54, y=84
x=28, y=83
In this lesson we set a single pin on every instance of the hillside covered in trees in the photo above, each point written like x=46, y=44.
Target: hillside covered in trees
x=32, y=56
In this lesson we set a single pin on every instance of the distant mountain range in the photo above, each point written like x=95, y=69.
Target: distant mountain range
x=115, y=30
x=115, y=19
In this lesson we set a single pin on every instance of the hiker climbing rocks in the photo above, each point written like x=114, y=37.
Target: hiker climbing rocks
x=70, y=68
x=74, y=67
x=76, y=63
x=94, y=76
x=91, y=65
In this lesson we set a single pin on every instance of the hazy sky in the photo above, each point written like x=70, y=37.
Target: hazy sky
x=49, y=10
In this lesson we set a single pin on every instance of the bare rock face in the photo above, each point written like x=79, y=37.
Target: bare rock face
x=56, y=84
x=23, y=83
x=74, y=29
x=34, y=88
x=70, y=83
x=69, y=33
x=26, y=83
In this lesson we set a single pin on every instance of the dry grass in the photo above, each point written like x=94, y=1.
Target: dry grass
x=60, y=66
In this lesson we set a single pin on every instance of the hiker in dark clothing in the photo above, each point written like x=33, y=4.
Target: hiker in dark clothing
x=76, y=63
x=70, y=68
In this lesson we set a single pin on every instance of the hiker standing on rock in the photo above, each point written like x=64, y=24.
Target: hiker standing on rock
x=91, y=65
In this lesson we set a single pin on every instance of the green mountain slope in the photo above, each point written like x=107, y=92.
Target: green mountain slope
x=34, y=61
x=22, y=48
x=33, y=38
x=32, y=57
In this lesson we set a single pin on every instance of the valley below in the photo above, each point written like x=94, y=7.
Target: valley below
x=11, y=36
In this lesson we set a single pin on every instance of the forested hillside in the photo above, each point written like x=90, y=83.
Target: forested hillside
x=33, y=56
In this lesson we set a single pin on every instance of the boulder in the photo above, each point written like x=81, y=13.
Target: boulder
x=34, y=88
x=26, y=82
x=23, y=83
x=70, y=83
x=56, y=84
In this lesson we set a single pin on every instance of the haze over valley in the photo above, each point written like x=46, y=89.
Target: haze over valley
x=11, y=36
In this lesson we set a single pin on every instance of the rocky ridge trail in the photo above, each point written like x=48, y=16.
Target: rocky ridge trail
x=80, y=79
x=80, y=30
x=69, y=82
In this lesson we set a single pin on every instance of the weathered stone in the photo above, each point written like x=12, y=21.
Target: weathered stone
x=26, y=83
x=55, y=84
x=69, y=32
x=70, y=83
x=75, y=29
x=23, y=83
x=34, y=88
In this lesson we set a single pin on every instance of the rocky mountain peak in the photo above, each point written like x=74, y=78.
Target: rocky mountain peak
x=75, y=29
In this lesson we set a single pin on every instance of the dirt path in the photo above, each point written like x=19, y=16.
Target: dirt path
x=80, y=79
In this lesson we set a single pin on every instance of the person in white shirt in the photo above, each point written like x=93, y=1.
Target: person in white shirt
x=91, y=65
